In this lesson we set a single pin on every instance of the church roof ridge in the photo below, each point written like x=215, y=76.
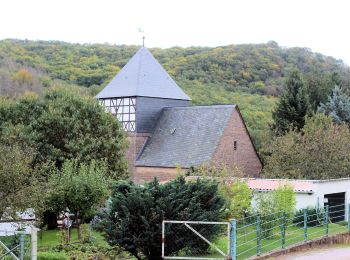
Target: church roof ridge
x=202, y=107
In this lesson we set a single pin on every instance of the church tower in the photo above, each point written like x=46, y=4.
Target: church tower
x=137, y=95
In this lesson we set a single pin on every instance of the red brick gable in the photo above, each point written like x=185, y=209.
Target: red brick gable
x=245, y=155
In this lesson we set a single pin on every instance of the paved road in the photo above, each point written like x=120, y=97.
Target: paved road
x=332, y=253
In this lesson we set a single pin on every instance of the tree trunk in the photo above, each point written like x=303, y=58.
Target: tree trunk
x=78, y=229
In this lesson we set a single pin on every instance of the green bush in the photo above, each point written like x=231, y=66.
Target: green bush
x=52, y=256
x=90, y=250
x=271, y=206
x=315, y=217
x=86, y=233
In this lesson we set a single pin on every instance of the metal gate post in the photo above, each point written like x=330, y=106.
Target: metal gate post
x=327, y=219
x=21, y=247
x=233, y=239
x=163, y=238
x=258, y=235
x=283, y=230
x=349, y=217
x=305, y=225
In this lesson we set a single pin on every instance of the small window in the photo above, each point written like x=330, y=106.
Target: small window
x=235, y=145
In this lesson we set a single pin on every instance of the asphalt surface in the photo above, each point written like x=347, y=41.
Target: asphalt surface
x=331, y=253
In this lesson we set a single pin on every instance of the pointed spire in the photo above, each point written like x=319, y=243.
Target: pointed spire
x=143, y=76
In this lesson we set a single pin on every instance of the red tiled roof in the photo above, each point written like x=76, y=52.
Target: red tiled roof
x=266, y=184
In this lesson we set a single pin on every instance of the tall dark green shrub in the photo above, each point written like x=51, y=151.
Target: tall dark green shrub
x=135, y=214
x=293, y=105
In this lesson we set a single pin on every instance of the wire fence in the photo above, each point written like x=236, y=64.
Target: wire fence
x=260, y=234
x=253, y=235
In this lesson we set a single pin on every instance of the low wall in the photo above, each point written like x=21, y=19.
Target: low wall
x=343, y=238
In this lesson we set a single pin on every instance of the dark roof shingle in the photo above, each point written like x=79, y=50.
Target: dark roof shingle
x=185, y=136
x=143, y=76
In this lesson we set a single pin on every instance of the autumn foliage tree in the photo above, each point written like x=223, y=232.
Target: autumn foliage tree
x=319, y=151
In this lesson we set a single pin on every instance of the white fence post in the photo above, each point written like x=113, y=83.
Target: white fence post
x=163, y=238
x=34, y=242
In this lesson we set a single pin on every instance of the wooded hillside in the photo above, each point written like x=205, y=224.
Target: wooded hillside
x=245, y=66
x=247, y=75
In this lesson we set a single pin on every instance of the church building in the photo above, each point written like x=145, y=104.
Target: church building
x=165, y=132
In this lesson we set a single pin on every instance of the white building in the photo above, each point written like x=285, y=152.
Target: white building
x=9, y=227
x=311, y=193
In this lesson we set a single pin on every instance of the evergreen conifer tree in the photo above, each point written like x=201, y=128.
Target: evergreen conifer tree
x=337, y=106
x=293, y=105
x=135, y=213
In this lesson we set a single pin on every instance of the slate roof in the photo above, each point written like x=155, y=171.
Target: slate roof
x=143, y=76
x=185, y=136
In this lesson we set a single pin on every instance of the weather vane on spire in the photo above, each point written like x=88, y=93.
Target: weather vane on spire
x=143, y=36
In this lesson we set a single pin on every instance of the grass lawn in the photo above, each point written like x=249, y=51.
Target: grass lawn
x=48, y=239
x=51, y=238
x=247, y=244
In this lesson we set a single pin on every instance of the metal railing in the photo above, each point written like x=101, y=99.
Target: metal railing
x=253, y=235
x=260, y=234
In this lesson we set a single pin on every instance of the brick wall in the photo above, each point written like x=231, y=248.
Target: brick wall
x=245, y=155
x=145, y=174
x=136, y=142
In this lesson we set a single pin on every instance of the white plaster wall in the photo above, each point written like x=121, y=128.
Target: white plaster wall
x=332, y=186
x=305, y=200
x=320, y=188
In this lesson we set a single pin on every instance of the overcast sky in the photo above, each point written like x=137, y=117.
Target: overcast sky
x=323, y=26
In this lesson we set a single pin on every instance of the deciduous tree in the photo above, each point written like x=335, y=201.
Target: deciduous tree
x=66, y=125
x=80, y=189
x=319, y=151
x=18, y=183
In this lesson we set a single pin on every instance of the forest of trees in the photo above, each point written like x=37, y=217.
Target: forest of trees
x=249, y=75
x=255, y=67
